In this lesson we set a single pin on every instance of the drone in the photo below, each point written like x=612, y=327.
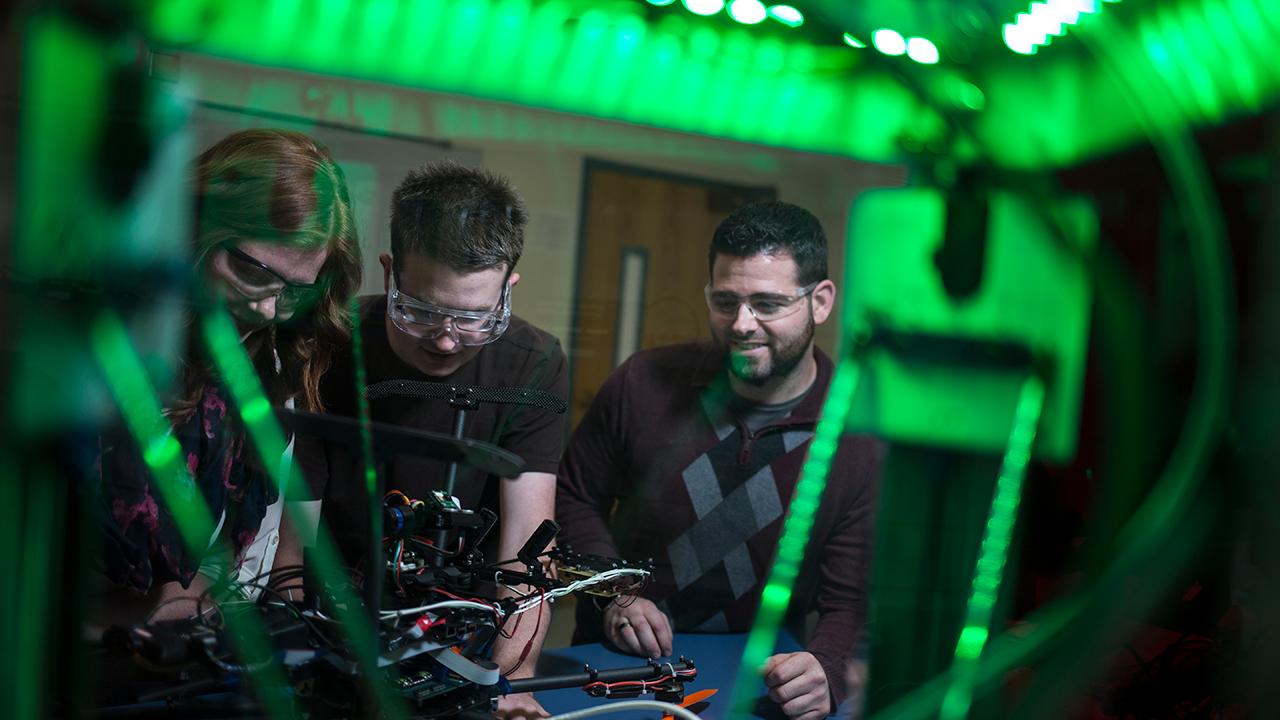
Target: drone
x=437, y=615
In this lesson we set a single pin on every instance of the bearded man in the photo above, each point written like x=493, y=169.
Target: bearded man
x=690, y=454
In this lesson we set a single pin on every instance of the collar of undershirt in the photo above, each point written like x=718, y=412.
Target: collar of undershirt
x=742, y=405
x=710, y=371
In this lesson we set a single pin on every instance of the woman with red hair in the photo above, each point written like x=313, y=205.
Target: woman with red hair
x=275, y=241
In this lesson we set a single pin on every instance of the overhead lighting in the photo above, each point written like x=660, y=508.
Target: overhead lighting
x=1066, y=13
x=1045, y=20
x=888, y=42
x=704, y=7
x=922, y=51
x=747, y=12
x=786, y=15
x=853, y=42
x=1018, y=39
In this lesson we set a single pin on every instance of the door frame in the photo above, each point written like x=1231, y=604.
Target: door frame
x=590, y=164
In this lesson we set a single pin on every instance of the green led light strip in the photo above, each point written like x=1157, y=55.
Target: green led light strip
x=1045, y=20
x=137, y=400
x=732, y=83
x=747, y=12
x=1163, y=532
x=795, y=531
x=369, y=467
x=127, y=379
x=570, y=56
x=223, y=343
x=989, y=570
x=362, y=406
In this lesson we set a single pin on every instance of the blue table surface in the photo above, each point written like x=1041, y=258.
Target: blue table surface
x=716, y=657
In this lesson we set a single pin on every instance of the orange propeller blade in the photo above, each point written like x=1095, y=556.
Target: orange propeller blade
x=692, y=699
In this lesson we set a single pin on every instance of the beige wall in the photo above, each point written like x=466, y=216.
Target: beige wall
x=542, y=152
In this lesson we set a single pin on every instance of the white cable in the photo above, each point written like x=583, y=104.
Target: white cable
x=584, y=583
x=386, y=614
x=523, y=606
x=575, y=586
x=668, y=708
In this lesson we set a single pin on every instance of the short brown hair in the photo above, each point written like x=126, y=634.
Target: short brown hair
x=469, y=219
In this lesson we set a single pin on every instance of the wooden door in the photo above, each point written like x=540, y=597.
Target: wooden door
x=642, y=265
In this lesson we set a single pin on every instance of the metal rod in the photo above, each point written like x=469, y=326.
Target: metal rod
x=451, y=477
x=651, y=671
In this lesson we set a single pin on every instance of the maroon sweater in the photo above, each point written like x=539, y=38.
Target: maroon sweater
x=704, y=497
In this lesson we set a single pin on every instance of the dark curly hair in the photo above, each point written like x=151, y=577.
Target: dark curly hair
x=770, y=228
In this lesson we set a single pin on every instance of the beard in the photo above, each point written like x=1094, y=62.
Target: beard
x=785, y=353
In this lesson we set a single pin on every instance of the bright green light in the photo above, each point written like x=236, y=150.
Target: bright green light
x=256, y=409
x=162, y=451
x=652, y=78
x=127, y=378
x=786, y=15
x=970, y=96
x=128, y=381
x=222, y=341
x=775, y=596
x=853, y=42
x=704, y=7
x=660, y=3
x=796, y=528
x=922, y=51
x=747, y=12
x=972, y=640
x=888, y=42
x=994, y=550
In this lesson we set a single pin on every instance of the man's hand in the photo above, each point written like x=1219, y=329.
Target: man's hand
x=639, y=628
x=797, y=683
x=519, y=707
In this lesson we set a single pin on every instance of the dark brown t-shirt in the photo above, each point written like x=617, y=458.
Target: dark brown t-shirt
x=524, y=357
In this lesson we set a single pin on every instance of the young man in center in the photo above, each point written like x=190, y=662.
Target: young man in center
x=690, y=455
x=456, y=236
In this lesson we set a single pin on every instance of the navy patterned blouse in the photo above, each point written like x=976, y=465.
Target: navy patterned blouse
x=143, y=546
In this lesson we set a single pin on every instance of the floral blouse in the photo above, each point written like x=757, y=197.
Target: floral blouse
x=143, y=546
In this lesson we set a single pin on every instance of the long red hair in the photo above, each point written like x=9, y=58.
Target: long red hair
x=277, y=185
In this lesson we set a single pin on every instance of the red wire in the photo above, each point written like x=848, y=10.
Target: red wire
x=512, y=633
x=642, y=683
x=529, y=645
